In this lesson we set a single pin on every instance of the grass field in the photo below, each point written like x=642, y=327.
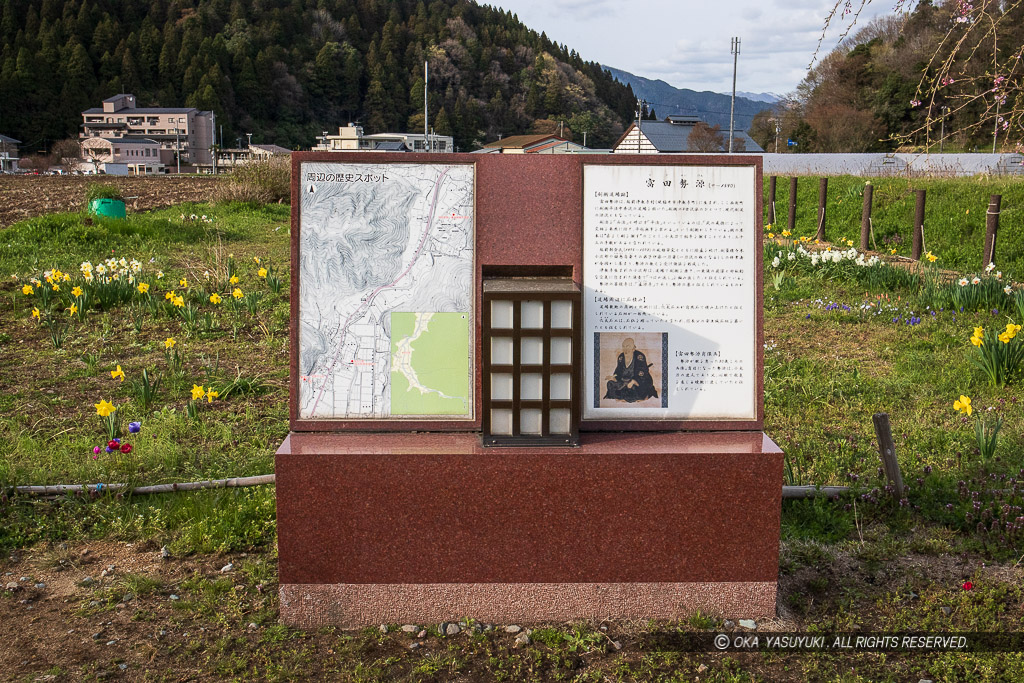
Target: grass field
x=843, y=341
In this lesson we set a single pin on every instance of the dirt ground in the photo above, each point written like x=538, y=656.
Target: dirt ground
x=111, y=610
x=25, y=196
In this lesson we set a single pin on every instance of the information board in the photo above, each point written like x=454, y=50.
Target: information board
x=385, y=273
x=669, y=275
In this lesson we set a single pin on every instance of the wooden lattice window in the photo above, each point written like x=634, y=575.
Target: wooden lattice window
x=531, y=369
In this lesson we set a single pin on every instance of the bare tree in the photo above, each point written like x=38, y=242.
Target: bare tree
x=975, y=70
x=705, y=138
x=67, y=154
x=35, y=162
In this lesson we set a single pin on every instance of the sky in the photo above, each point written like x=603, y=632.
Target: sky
x=686, y=43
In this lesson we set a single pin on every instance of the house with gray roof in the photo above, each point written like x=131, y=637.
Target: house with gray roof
x=673, y=136
x=8, y=154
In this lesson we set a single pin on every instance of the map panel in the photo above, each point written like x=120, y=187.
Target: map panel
x=385, y=290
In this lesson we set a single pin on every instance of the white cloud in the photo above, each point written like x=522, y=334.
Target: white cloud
x=687, y=44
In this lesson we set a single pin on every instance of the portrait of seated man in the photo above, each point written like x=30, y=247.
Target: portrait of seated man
x=632, y=380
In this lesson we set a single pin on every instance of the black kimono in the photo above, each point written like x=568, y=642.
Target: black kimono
x=638, y=370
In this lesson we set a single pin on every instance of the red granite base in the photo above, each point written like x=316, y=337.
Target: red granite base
x=353, y=605
x=379, y=528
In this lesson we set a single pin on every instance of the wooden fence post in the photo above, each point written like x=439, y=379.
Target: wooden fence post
x=887, y=450
x=991, y=228
x=771, y=199
x=822, y=200
x=865, y=216
x=918, y=237
x=792, y=204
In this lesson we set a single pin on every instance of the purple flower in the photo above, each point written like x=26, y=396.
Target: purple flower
x=134, y=427
x=109, y=449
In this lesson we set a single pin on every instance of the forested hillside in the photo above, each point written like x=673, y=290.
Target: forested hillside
x=948, y=68
x=285, y=70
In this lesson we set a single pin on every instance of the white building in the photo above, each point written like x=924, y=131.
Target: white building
x=351, y=138
x=121, y=156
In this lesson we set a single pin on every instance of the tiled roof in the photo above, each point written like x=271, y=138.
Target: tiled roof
x=272, y=149
x=521, y=141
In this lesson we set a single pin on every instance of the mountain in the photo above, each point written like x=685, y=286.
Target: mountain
x=768, y=97
x=710, y=106
x=286, y=70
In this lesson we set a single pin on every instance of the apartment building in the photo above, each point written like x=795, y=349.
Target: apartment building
x=184, y=134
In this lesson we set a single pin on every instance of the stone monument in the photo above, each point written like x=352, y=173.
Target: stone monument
x=526, y=388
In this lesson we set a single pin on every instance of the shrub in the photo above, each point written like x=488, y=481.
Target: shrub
x=102, y=191
x=260, y=182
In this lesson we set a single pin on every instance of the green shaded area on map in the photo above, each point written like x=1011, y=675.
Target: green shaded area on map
x=430, y=364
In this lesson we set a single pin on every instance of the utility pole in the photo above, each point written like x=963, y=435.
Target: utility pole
x=734, y=49
x=426, y=109
x=776, y=122
x=177, y=149
x=213, y=141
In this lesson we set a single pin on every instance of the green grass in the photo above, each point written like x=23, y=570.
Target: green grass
x=831, y=363
x=954, y=223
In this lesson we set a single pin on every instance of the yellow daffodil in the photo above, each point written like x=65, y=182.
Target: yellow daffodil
x=76, y=292
x=169, y=343
x=979, y=331
x=1004, y=337
x=56, y=287
x=234, y=280
x=932, y=258
x=27, y=290
x=178, y=301
x=35, y=313
x=977, y=341
x=143, y=287
x=786, y=233
x=849, y=243
x=771, y=235
x=211, y=394
x=65, y=277
x=262, y=272
x=169, y=295
x=893, y=250
x=197, y=392
x=72, y=309
x=257, y=260
x=215, y=298
x=104, y=408
x=237, y=293
x=963, y=405
x=117, y=374
x=183, y=283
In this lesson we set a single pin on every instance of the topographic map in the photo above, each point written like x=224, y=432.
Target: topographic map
x=385, y=290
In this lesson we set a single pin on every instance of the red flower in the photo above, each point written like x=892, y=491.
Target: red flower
x=126, y=448
x=113, y=445
x=968, y=585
